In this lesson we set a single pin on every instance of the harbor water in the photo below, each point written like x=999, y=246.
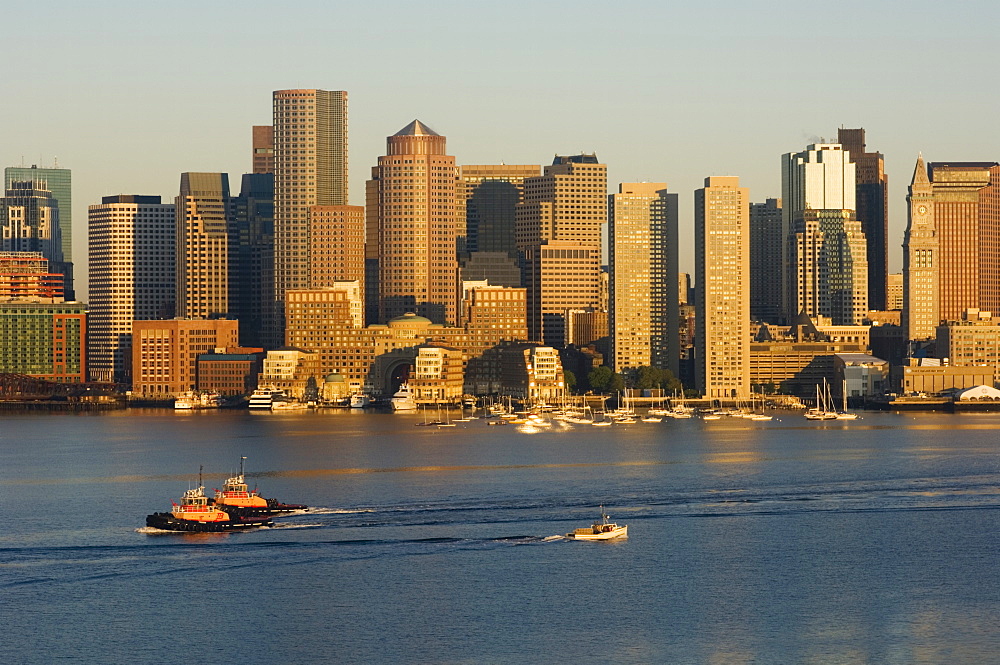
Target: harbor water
x=787, y=541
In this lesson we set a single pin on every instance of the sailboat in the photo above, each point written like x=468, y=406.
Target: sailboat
x=822, y=409
x=845, y=414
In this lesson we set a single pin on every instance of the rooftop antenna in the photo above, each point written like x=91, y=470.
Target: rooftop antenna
x=55, y=162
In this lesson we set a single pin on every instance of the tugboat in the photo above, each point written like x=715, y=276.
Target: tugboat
x=195, y=514
x=236, y=498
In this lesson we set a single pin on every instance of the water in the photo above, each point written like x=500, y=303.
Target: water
x=873, y=541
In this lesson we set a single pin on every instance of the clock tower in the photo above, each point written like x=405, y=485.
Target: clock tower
x=921, y=304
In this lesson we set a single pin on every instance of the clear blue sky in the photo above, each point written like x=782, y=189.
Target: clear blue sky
x=130, y=94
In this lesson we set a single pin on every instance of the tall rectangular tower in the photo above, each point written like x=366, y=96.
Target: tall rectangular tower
x=872, y=208
x=722, y=253
x=417, y=226
x=205, y=246
x=644, y=307
x=263, y=149
x=132, y=269
x=251, y=274
x=766, y=257
x=825, y=248
x=558, y=231
x=310, y=168
x=338, y=245
x=921, y=260
x=60, y=183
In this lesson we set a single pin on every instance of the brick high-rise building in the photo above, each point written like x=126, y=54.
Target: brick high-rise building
x=263, y=149
x=644, y=306
x=413, y=188
x=872, y=209
x=25, y=276
x=310, y=168
x=337, y=239
x=558, y=232
x=165, y=353
x=132, y=241
x=722, y=255
x=952, y=247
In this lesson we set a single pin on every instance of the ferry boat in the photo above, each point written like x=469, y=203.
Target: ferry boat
x=195, y=514
x=403, y=400
x=359, y=400
x=602, y=529
x=263, y=398
x=236, y=498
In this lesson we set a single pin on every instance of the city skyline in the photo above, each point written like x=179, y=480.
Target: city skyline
x=634, y=91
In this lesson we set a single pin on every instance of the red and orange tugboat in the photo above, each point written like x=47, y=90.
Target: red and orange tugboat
x=236, y=498
x=195, y=514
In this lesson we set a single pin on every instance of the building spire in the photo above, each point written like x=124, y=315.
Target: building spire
x=920, y=172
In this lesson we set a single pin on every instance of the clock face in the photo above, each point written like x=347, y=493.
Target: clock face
x=922, y=209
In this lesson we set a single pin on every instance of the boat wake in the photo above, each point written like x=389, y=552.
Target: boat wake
x=277, y=525
x=331, y=511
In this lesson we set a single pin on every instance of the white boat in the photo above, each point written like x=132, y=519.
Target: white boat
x=359, y=400
x=402, y=399
x=185, y=402
x=845, y=414
x=263, y=398
x=602, y=529
x=823, y=409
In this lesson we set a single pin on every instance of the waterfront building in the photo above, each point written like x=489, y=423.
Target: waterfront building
x=558, y=232
x=204, y=246
x=231, y=371
x=417, y=226
x=644, y=306
x=826, y=251
x=132, y=269
x=310, y=168
x=766, y=257
x=490, y=307
x=487, y=197
x=165, y=353
x=337, y=241
x=971, y=341
x=437, y=376
x=263, y=149
x=871, y=195
x=46, y=340
x=533, y=373
x=25, y=276
x=251, y=275
x=294, y=371
x=722, y=255
x=59, y=183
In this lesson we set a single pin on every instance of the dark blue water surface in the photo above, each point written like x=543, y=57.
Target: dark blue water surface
x=868, y=542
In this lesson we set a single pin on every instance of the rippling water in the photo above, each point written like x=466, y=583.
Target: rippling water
x=874, y=541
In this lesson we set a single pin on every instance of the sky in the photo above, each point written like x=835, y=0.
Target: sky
x=131, y=94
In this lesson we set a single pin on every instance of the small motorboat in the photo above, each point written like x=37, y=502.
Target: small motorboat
x=602, y=529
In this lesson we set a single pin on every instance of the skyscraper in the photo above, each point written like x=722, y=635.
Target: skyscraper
x=487, y=197
x=722, y=255
x=921, y=300
x=644, y=306
x=59, y=182
x=29, y=222
x=132, y=242
x=872, y=208
x=825, y=252
x=558, y=232
x=951, y=259
x=310, y=168
x=205, y=246
x=263, y=149
x=767, y=246
x=417, y=226
x=251, y=275
x=338, y=245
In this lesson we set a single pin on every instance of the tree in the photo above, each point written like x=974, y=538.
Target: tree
x=570, y=379
x=616, y=384
x=599, y=378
